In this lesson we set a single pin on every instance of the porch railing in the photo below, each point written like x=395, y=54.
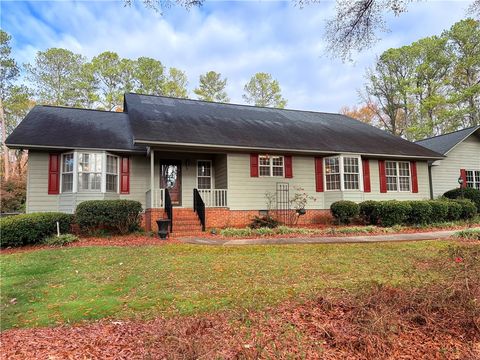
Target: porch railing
x=199, y=207
x=158, y=199
x=214, y=197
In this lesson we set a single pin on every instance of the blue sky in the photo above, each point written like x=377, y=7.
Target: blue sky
x=237, y=39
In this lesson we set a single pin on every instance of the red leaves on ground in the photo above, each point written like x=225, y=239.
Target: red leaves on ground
x=385, y=324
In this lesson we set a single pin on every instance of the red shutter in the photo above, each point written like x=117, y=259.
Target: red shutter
x=253, y=165
x=54, y=174
x=124, y=175
x=366, y=175
x=413, y=169
x=463, y=175
x=383, y=176
x=319, y=174
x=288, y=167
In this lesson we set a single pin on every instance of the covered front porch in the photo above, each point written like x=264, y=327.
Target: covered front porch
x=176, y=177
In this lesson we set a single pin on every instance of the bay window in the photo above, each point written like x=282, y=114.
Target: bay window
x=473, y=179
x=398, y=175
x=270, y=165
x=342, y=173
x=89, y=171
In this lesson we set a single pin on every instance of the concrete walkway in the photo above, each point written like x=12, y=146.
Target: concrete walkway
x=432, y=235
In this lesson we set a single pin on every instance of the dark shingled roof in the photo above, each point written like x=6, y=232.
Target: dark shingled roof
x=442, y=144
x=150, y=120
x=158, y=119
x=52, y=126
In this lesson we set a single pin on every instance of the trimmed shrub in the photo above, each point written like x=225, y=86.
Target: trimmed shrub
x=420, y=212
x=468, y=209
x=32, y=228
x=61, y=240
x=369, y=211
x=344, y=211
x=454, y=210
x=118, y=216
x=439, y=210
x=467, y=193
x=263, y=222
x=393, y=212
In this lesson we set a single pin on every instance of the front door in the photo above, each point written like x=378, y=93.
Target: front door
x=171, y=179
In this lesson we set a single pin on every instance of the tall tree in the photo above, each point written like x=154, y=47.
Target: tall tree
x=464, y=78
x=176, y=84
x=9, y=72
x=212, y=87
x=109, y=72
x=55, y=73
x=263, y=90
x=150, y=76
x=366, y=113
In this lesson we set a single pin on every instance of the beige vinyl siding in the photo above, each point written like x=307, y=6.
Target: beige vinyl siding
x=445, y=173
x=38, y=198
x=220, y=170
x=248, y=193
x=423, y=185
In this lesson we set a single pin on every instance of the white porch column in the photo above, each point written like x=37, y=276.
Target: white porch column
x=152, y=177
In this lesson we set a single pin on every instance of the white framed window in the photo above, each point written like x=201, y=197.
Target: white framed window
x=204, y=174
x=271, y=165
x=351, y=173
x=343, y=173
x=89, y=171
x=67, y=172
x=473, y=178
x=398, y=175
x=112, y=173
x=332, y=173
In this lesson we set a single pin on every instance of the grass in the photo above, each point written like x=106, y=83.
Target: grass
x=57, y=286
x=469, y=234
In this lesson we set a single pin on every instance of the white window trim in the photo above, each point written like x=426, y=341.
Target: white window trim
x=212, y=178
x=342, y=172
x=103, y=185
x=475, y=178
x=397, y=164
x=271, y=166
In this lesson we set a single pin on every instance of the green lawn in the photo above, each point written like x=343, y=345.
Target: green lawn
x=74, y=284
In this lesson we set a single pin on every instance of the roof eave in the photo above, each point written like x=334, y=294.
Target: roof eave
x=53, y=147
x=293, y=151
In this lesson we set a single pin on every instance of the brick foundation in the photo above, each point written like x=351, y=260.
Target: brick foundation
x=224, y=217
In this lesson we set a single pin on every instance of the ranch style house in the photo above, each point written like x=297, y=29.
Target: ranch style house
x=209, y=165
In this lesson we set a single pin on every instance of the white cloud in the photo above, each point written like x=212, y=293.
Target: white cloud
x=236, y=39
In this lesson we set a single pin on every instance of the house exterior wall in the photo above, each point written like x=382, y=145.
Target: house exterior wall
x=445, y=173
x=248, y=193
x=230, y=171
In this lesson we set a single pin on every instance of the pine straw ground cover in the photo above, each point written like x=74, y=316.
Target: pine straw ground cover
x=355, y=301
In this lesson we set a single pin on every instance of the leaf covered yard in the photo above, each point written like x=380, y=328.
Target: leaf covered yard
x=182, y=301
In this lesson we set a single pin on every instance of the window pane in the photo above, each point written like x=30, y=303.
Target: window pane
x=278, y=171
x=392, y=183
x=67, y=182
x=264, y=160
x=111, y=182
x=404, y=184
x=391, y=168
x=204, y=183
x=351, y=182
x=277, y=160
x=350, y=165
x=404, y=169
x=204, y=168
x=332, y=165
x=333, y=181
x=111, y=164
x=67, y=163
x=264, y=170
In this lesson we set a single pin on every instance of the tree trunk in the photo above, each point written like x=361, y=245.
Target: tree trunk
x=6, y=160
